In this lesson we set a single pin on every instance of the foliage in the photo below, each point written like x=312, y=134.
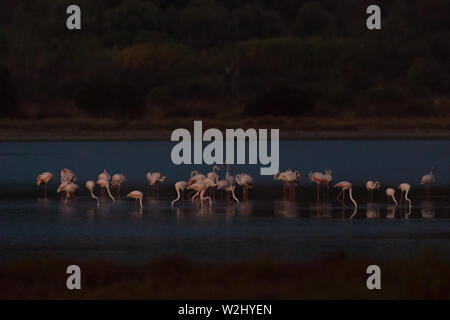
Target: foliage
x=319, y=53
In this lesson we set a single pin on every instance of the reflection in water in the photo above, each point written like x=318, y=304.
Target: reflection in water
x=324, y=210
x=225, y=231
x=390, y=211
x=244, y=207
x=285, y=208
x=427, y=210
x=373, y=210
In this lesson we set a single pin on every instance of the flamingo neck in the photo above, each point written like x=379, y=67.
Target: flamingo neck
x=351, y=197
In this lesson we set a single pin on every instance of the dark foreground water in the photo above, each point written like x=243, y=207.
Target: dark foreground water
x=266, y=226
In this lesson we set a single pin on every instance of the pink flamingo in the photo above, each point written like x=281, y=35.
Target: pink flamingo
x=345, y=185
x=405, y=188
x=154, y=179
x=200, y=187
x=90, y=186
x=427, y=180
x=246, y=181
x=390, y=192
x=103, y=183
x=116, y=182
x=136, y=195
x=179, y=187
x=289, y=179
x=67, y=176
x=371, y=186
x=318, y=178
x=69, y=189
x=44, y=178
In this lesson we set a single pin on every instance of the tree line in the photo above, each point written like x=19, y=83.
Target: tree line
x=188, y=57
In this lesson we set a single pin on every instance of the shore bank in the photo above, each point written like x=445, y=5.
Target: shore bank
x=161, y=129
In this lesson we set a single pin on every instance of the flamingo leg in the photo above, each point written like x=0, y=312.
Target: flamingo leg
x=318, y=192
x=339, y=194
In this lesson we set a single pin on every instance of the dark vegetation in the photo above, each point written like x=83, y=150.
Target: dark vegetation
x=140, y=58
x=337, y=277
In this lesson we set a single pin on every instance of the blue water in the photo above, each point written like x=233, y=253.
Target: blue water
x=262, y=227
x=389, y=161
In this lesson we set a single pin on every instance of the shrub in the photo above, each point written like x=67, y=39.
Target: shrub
x=8, y=93
x=111, y=99
x=280, y=102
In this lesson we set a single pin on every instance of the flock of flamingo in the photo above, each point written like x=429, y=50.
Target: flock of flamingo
x=203, y=187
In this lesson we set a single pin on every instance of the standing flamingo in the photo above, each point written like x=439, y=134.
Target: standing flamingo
x=44, y=178
x=345, y=185
x=200, y=187
x=90, y=186
x=67, y=176
x=318, y=178
x=390, y=192
x=229, y=189
x=326, y=179
x=214, y=177
x=103, y=183
x=154, y=179
x=427, y=180
x=69, y=189
x=246, y=181
x=405, y=188
x=116, y=182
x=290, y=179
x=179, y=187
x=371, y=186
x=136, y=195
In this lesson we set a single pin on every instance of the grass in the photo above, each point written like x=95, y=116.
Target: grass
x=338, y=277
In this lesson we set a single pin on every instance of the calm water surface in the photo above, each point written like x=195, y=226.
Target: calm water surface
x=264, y=226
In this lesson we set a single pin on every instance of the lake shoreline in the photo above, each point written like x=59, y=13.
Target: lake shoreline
x=164, y=135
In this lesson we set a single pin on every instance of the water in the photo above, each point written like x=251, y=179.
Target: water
x=266, y=226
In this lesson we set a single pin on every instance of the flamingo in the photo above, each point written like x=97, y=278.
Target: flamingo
x=427, y=180
x=67, y=176
x=90, y=186
x=200, y=187
x=246, y=181
x=155, y=178
x=116, y=181
x=179, y=187
x=196, y=176
x=44, y=178
x=289, y=178
x=222, y=185
x=318, y=178
x=103, y=183
x=104, y=175
x=211, y=183
x=371, y=186
x=214, y=177
x=228, y=186
x=326, y=179
x=405, y=188
x=229, y=189
x=136, y=195
x=69, y=189
x=345, y=185
x=390, y=192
